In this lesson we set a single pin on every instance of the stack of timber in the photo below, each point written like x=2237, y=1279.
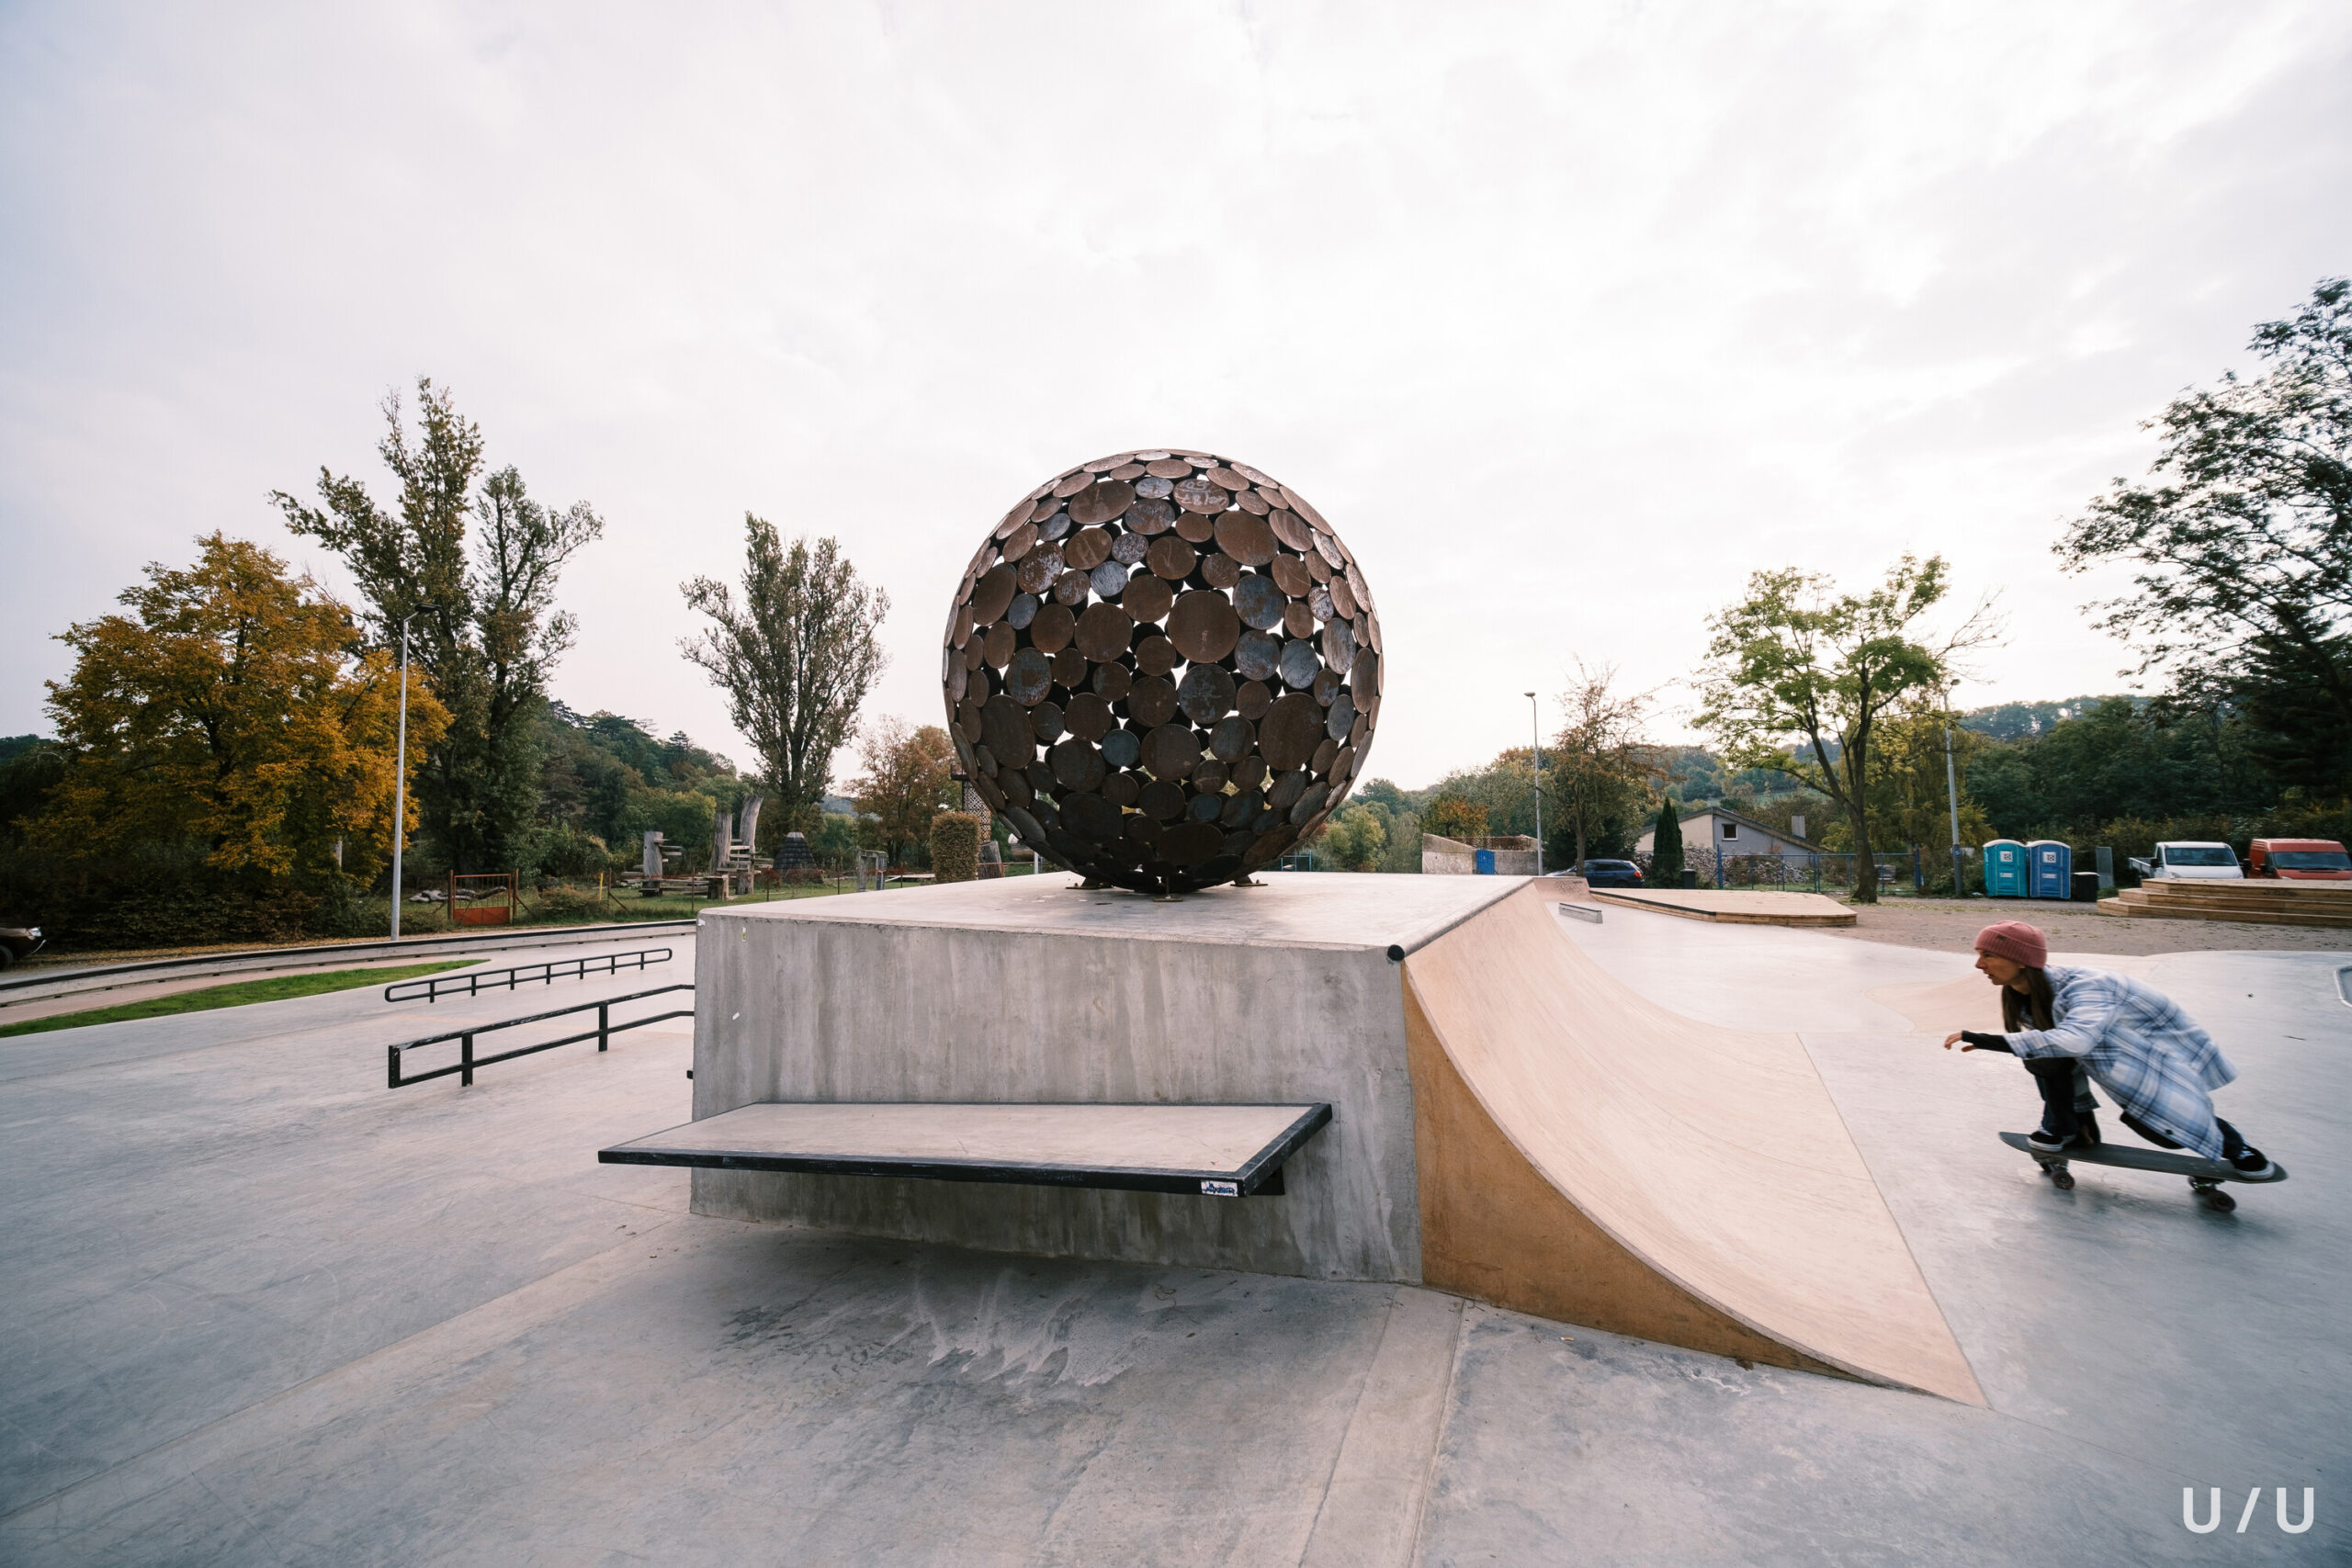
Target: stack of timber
x=2256, y=902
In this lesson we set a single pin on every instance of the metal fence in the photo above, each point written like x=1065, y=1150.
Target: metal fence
x=466, y=1061
x=433, y=988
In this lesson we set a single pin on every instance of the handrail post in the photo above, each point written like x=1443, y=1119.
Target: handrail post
x=393, y=1066
x=465, y=1057
x=604, y=1015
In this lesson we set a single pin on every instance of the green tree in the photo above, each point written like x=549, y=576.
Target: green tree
x=1797, y=660
x=2243, y=538
x=1601, y=766
x=1451, y=816
x=796, y=659
x=909, y=777
x=1666, y=844
x=1355, y=838
x=471, y=563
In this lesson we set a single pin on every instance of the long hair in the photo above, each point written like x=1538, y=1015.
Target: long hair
x=2029, y=1009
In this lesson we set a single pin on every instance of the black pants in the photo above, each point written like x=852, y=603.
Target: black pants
x=2068, y=1107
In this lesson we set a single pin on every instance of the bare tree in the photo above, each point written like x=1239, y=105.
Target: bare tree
x=796, y=659
x=1599, y=762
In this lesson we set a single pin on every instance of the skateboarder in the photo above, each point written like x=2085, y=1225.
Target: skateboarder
x=2063, y=1023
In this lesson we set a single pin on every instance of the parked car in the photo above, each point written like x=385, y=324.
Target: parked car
x=2299, y=860
x=19, y=942
x=1612, y=873
x=2191, y=862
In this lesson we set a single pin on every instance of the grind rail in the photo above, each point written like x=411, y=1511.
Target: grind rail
x=434, y=987
x=466, y=1061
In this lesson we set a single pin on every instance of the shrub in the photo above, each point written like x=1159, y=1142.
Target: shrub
x=955, y=846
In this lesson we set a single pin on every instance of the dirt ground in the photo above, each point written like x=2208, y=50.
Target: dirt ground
x=1951, y=926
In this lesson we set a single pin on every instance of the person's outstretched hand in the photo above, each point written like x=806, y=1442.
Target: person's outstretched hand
x=1954, y=1039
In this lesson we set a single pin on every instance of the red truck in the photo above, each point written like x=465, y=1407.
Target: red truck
x=2299, y=860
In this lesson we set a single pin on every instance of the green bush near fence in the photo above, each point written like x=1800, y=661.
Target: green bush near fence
x=956, y=847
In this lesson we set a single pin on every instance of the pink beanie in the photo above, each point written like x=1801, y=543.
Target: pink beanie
x=2015, y=940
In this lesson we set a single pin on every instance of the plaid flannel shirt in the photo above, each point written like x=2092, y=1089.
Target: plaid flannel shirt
x=2141, y=1048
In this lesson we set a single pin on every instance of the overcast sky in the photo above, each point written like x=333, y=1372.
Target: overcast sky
x=1567, y=317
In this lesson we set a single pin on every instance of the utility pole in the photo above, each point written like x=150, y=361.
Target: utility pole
x=1951, y=797
x=399, y=780
x=1535, y=731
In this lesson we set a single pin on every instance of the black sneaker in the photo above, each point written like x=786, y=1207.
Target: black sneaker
x=2253, y=1163
x=2046, y=1143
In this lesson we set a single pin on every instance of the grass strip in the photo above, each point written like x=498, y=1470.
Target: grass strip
x=276, y=988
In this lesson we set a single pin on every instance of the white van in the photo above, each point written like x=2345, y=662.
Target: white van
x=2193, y=861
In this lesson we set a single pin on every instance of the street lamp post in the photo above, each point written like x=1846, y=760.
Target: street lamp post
x=400, y=781
x=1535, y=731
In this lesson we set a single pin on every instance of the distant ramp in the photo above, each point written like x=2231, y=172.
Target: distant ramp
x=1585, y=1154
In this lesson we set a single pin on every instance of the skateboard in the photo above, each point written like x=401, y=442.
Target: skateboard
x=2205, y=1176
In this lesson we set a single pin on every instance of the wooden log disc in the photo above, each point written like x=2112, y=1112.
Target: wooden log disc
x=974, y=653
x=1104, y=631
x=1363, y=675
x=1077, y=765
x=1051, y=631
x=955, y=678
x=1343, y=766
x=1245, y=538
x=1104, y=465
x=1161, y=800
x=1126, y=472
x=1204, y=627
x=1359, y=732
x=1318, y=568
x=1169, y=469
x=1148, y=594
x=1109, y=580
x=1013, y=519
x=1252, y=701
x=1320, y=763
x=1152, y=702
x=1072, y=483
x=1232, y=739
x=1071, y=589
x=992, y=593
x=1226, y=478
x=1290, y=575
x=996, y=648
x=1091, y=817
x=1298, y=503
x=1088, y=547
x=1129, y=547
x=1240, y=808
x=1120, y=789
x=1054, y=527
x=1325, y=686
x=1122, y=749
x=1028, y=676
x=1328, y=549
x=1307, y=804
x=1045, y=718
x=1023, y=539
x=1372, y=631
x=1112, y=682
x=1288, y=734
x=1070, y=669
x=1153, y=516
x=1318, y=599
x=1249, y=772
x=1287, y=790
x=1171, y=558
x=1293, y=533
x=1032, y=831
x=1004, y=731
x=1037, y=570
x=1258, y=601
x=1298, y=619
x=1043, y=510
x=1142, y=835
x=1208, y=790
x=1195, y=527
x=1171, y=751
x=1250, y=501
x=1358, y=587
x=1021, y=611
x=1190, y=843
x=1205, y=695
x=1220, y=570
x=1343, y=598
x=1156, y=656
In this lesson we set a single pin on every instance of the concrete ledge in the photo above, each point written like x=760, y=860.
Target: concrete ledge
x=1733, y=907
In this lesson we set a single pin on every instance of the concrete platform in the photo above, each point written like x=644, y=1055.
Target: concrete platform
x=256, y=1309
x=1734, y=907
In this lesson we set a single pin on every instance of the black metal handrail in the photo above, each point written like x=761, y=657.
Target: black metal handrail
x=433, y=987
x=466, y=1061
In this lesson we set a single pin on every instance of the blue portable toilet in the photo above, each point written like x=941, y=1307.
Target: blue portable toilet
x=2052, y=870
x=1484, y=861
x=2005, y=868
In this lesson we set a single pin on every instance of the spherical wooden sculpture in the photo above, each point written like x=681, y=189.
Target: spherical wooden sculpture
x=1163, y=669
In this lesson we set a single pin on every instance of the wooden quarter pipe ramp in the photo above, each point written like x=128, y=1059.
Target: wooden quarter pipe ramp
x=1584, y=1154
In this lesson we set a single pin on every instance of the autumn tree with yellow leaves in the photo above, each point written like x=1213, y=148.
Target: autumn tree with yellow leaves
x=234, y=712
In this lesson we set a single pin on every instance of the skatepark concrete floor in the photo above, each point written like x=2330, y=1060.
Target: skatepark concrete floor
x=257, y=1308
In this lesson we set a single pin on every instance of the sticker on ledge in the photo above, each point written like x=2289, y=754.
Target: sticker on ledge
x=1220, y=1190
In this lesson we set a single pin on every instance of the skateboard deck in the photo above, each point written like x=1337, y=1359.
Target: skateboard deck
x=2205, y=1176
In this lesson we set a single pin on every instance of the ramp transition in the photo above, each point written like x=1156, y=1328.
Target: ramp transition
x=1584, y=1154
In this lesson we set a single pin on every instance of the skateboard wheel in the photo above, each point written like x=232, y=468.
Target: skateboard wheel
x=2220, y=1203
x=2063, y=1180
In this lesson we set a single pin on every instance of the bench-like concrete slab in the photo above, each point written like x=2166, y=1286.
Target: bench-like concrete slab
x=1224, y=1151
